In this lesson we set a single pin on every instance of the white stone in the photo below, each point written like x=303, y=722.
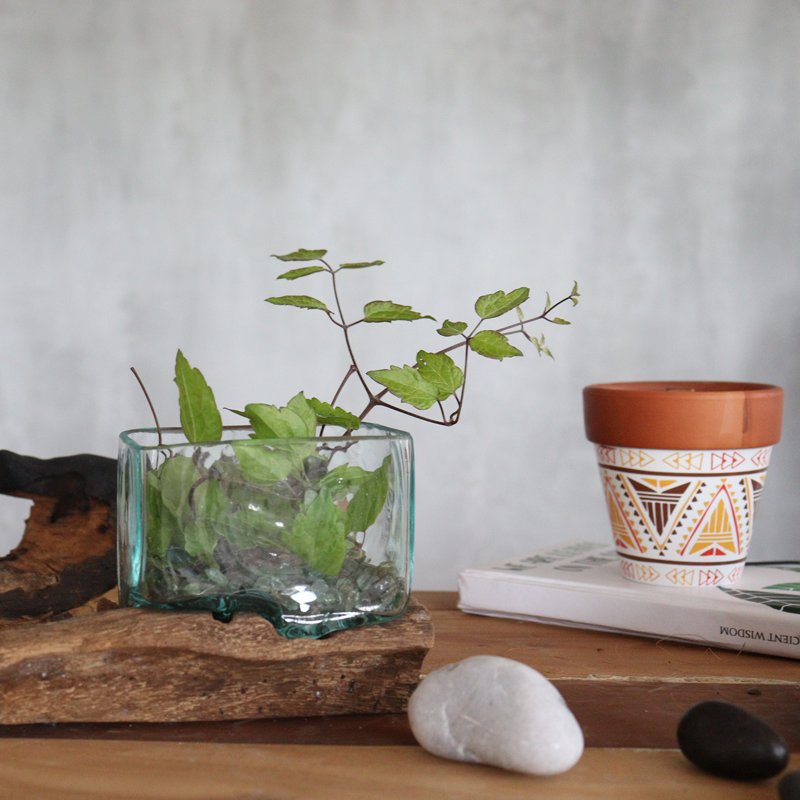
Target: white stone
x=494, y=710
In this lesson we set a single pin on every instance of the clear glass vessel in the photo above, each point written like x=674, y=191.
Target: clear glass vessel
x=315, y=535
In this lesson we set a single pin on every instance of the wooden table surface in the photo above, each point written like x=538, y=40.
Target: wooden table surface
x=628, y=694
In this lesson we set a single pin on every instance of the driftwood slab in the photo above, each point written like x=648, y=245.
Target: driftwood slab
x=67, y=654
x=137, y=665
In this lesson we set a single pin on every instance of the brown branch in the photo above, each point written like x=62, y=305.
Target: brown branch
x=149, y=403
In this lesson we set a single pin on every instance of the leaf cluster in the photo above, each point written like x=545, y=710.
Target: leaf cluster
x=274, y=490
x=314, y=509
x=434, y=377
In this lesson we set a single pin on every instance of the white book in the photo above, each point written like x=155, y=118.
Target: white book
x=580, y=585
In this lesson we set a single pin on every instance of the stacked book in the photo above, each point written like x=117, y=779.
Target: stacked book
x=580, y=584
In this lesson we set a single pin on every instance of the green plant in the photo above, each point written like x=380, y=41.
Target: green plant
x=230, y=524
x=433, y=380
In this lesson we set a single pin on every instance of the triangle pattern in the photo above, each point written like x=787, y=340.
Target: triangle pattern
x=684, y=460
x=659, y=499
x=717, y=531
x=726, y=460
x=757, y=489
x=624, y=535
x=634, y=458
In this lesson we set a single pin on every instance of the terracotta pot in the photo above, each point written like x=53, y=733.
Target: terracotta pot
x=683, y=466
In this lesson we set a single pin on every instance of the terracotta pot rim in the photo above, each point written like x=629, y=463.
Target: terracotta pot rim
x=683, y=415
x=692, y=389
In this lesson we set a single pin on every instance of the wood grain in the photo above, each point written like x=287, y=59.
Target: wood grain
x=626, y=692
x=86, y=770
x=638, y=709
x=575, y=654
x=137, y=665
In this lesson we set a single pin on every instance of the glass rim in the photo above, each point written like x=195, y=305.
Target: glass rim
x=384, y=433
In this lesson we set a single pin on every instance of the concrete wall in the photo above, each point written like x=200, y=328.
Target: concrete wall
x=154, y=153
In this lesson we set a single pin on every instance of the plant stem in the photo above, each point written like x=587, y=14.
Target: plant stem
x=149, y=403
x=460, y=399
x=514, y=327
x=345, y=330
x=376, y=399
x=350, y=371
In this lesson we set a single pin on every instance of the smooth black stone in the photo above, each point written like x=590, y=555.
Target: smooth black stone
x=789, y=786
x=728, y=741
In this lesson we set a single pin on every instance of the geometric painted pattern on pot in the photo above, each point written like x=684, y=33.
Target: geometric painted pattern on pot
x=754, y=486
x=684, y=517
x=760, y=458
x=681, y=576
x=688, y=576
x=645, y=510
x=684, y=461
x=726, y=461
x=668, y=516
x=717, y=530
x=702, y=576
x=623, y=528
x=723, y=525
x=641, y=572
x=661, y=502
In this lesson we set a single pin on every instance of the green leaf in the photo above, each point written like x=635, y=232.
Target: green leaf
x=406, y=383
x=170, y=490
x=547, y=302
x=211, y=508
x=387, y=311
x=560, y=321
x=328, y=415
x=493, y=345
x=199, y=540
x=369, y=499
x=360, y=264
x=250, y=527
x=210, y=505
x=342, y=480
x=494, y=305
x=302, y=255
x=574, y=294
x=305, y=413
x=176, y=477
x=541, y=348
x=450, y=328
x=271, y=422
x=208, y=500
x=300, y=272
x=440, y=371
x=262, y=463
x=298, y=301
x=200, y=417
x=318, y=535
x=162, y=527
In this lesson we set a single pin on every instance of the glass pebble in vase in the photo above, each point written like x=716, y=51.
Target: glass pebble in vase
x=313, y=534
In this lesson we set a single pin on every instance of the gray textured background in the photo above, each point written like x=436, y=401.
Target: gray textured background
x=154, y=153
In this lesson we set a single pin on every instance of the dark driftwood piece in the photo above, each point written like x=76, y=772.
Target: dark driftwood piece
x=67, y=555
x=136, y=665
